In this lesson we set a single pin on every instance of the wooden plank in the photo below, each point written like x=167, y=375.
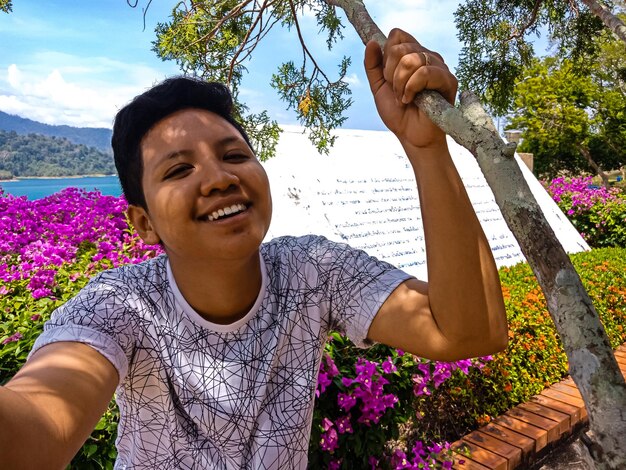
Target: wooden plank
x=571, y=410
x=561, y=418
x=522, y=442
x=512, y=454
x=570, y=390
x=564, y=397
x=540, y=436
x=480, y=455
x=552, y=427
x=464, y=463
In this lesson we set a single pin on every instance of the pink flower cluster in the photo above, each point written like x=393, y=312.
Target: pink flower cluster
x=37, y=237
x=579, y=193
x=363, y=401
x=433, y=456
x=432, y=373
x=366, y=390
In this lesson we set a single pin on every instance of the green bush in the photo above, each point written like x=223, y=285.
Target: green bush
x=23, y=317
x=599, y=214
x=441, y=412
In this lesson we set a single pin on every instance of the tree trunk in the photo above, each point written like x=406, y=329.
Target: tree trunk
x=587, y=154
x=610, y=20
x=591, y=361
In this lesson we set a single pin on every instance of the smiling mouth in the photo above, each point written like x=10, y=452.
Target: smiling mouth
x=224, y=213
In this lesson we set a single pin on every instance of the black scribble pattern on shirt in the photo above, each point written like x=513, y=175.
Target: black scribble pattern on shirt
x=194, y=398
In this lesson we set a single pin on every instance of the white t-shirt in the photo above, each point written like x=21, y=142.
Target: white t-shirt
x=198, y=395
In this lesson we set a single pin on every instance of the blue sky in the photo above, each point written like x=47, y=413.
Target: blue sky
x=77, y=62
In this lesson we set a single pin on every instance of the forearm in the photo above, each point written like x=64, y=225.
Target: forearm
x=27, y=440
x=50, y=407
x=463, y=284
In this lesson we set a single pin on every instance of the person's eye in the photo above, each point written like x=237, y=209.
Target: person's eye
x=177, y=171
x=236, y=157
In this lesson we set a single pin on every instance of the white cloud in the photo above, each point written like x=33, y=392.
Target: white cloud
x=431, y=23
x=90, y=97
x=14, y=76
x=352, y=80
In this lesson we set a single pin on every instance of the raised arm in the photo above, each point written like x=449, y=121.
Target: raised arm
x=459, y=313
x=50, y=407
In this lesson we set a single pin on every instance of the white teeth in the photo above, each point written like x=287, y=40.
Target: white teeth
x=226, y=211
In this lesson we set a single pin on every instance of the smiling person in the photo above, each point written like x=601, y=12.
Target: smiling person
x=213, y=349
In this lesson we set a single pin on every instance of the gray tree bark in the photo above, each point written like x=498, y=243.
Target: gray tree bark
x=611, y=21
x=587, y=154
x=592, y=364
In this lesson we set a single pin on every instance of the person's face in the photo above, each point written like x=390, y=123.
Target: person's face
x=207, y=195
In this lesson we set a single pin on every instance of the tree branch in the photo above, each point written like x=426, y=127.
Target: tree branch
x=520, y=32
x=611, y=21
x=304, y=48
x=244, y=41
x=592, y=363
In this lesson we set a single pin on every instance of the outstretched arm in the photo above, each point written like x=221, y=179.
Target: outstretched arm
x=459, y=313
x=50, y=407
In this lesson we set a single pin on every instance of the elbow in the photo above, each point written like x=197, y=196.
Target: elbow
x=498, y=344
x=475, y=346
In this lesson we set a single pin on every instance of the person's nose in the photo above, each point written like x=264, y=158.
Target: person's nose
x=216, y=176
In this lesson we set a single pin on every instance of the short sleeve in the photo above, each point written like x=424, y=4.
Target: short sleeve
x=98, y=316
x=358, y=285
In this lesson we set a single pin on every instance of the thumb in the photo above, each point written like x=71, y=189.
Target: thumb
x=374, y=66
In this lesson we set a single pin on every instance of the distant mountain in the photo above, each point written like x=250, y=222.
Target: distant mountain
x=99, y=138
x=40, y=155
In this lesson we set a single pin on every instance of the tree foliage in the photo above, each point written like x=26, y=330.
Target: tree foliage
x=573, y=120
x=497, y=35
x=213, y=39
x=6, y=6
x=38, y=155
x=99, y=137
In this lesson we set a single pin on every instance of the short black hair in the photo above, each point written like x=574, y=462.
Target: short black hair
x=135, y=119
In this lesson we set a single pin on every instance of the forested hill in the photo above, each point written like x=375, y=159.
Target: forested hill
x=39, y=155
x=89, y=136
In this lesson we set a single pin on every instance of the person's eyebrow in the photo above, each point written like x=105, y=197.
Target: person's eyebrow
x=172, y=155
x=223, y=142
x=231, y=140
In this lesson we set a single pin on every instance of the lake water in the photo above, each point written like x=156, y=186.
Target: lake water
x=38, y=188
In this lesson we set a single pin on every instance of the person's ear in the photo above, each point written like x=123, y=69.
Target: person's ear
x=140, y=219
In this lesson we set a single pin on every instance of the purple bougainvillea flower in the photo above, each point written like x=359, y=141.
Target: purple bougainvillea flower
x=343, y=425
x=326, y=424
x=334, y=465
x=13, y=338
x=388, y=366
x=329, y=440
x=345, y=401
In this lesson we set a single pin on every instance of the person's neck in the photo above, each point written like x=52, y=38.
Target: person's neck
x=222, y=291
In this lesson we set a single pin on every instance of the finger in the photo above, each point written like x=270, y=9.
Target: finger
x=373, y=63
x=434, y=55
x=399, y=36
x=407, y=66
x=430, y=78
x=393, y=55
x=411, y=55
